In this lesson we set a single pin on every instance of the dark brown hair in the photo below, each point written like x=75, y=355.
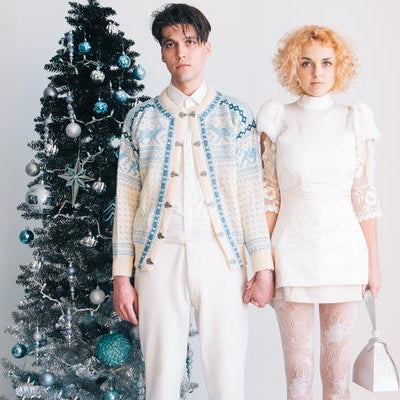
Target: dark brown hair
x=180, y=14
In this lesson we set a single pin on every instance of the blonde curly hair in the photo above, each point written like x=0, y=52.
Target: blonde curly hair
x=286, y=60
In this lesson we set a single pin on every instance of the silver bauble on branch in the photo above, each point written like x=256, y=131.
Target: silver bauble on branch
x=32, y=169
x=97, y=296
x=99, y=187
x=89, y=241
x=47, y=379
x=40, y=198
x=73, y=130
x=50, y=91
x=114, y=142
x=97, y=75
x=50, y=149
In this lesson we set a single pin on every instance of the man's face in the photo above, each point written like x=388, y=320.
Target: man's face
x=183, y=54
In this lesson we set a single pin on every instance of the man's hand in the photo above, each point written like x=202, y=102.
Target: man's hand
x=260, y=288
x=126, y=302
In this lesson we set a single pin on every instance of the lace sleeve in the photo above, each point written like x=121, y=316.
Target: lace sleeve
x=363, y=194
x=272, y=196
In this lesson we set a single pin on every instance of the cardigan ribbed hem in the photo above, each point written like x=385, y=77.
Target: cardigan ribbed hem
x=122, y=265
x=261, y=259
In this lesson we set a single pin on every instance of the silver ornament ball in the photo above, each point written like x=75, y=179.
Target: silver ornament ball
x=73, y=130
x=50, y=91
x=40, y=198
x=97, y=296
x=89, y=241
x=47, y=379
x=99, y=187
x=32, y=169
x=50, y=149
x=97, y=76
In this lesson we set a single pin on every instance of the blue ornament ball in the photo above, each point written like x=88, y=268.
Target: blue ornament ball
x=121, y=96
x=124, y=61
x=26, y=236
x=19, y=350
x=111, y=395
x=113, y=349
x=138, y=72
x=84, y=47
x=100, y=107
x=47, y=379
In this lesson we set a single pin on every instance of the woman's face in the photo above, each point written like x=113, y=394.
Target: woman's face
x=316, y=71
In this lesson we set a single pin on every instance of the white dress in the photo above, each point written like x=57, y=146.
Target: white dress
x=318, y=177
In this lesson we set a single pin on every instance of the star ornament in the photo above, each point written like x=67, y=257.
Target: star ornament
x=76, y=179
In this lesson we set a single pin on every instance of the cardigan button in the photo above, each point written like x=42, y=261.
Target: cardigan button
x=160, y=236
x=167, y=204
x=173, y=174
x=182, y=115
x=192, y=114
x=203, y=173
x=197, y=144
x=149, y=261
x=178, y=144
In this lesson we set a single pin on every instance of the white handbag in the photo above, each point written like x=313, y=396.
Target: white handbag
x=374, y=368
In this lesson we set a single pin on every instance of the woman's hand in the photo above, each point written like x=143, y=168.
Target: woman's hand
x=374, y=279
x=260, y=289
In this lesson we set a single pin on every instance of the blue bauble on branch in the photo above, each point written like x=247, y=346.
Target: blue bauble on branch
x=19, y=350
x=26, y=236
x=121, y=96
x=100, y=107
x=84, y=47
x=124, y=61
x=138, y=72
x=113, y=349
x=111, y=395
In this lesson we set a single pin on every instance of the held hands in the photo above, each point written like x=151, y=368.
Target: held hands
x=126, y=301
x=260, y=289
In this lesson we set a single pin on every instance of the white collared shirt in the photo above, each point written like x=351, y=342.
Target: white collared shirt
x=189, y=215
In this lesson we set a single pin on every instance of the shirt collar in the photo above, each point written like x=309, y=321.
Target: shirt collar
x=179, y=98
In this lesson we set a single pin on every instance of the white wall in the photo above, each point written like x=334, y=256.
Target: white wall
x=244, y=38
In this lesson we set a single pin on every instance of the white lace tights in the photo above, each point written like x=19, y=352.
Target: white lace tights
x=296, y=322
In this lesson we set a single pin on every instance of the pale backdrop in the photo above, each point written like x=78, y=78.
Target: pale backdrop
x=244, y=37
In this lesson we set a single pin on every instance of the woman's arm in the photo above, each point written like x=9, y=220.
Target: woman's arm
x=374, y=276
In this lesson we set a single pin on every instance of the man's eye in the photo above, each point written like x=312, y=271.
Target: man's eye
x=168, y=45
x=191, y=42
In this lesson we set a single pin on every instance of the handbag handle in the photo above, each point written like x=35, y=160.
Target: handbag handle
x=370, y=304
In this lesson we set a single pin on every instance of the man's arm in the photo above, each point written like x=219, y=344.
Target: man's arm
x=127, y=201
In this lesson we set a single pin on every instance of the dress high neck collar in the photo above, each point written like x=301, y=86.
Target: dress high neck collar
x=315, y=103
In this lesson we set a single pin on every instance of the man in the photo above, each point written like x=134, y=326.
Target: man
x=189, y=201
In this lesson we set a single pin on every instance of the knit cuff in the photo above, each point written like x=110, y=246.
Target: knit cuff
x=122, y=265
x=261, y=259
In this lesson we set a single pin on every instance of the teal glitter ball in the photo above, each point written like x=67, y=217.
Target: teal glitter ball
x=121, y=96
x=26, y=236
x=84, y=47
x=113, y=349
x=111, y=395
x=138, y=72
x=100, y=107
x=19, y=350
x=124, y=61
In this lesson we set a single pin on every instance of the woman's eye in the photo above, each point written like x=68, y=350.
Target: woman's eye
x=326, y=63
x=305, y=64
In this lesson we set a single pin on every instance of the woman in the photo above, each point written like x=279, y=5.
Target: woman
x=321, y=207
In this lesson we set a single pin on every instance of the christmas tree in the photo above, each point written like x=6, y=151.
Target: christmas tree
x=71, y=342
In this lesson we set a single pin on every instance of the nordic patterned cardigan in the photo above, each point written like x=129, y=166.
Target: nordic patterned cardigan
x=227, y=157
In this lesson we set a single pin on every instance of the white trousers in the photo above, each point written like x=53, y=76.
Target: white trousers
x=195, y=274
